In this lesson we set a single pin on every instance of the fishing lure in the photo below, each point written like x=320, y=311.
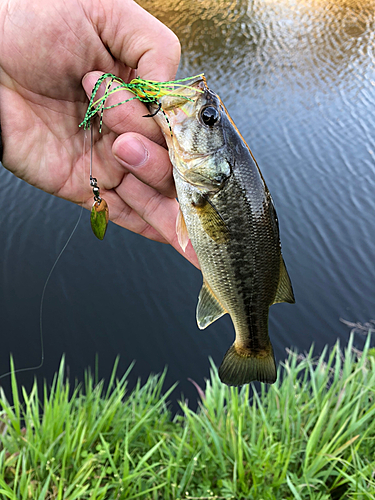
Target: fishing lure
x=99, y=210
x=147, y=91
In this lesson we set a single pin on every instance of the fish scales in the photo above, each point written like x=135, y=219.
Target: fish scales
x=240, y=285
x=230, y=219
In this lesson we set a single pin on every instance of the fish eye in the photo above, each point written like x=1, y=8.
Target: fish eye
x=210, y=116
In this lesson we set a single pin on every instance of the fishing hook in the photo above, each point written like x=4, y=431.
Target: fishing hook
x=153, y=114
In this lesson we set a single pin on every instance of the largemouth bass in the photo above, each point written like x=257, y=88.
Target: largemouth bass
x=227, y=212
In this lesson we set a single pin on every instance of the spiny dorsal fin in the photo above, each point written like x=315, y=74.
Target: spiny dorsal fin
x=212, y=222
x=181, y=230
x=209, y=308
x=284, y=289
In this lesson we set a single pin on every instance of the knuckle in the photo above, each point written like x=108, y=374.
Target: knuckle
x=171, y=45
x=152, y=206
x=174, y=44
x=122, y=218
x=164, y=183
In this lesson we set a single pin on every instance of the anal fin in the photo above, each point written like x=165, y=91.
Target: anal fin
x=209, y=308
x=284, y=291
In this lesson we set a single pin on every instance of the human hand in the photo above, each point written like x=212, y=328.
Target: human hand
x=45, y=50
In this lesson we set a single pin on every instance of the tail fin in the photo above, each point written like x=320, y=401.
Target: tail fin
x=242, y=366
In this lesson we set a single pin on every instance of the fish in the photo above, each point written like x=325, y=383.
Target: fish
x=228, y=214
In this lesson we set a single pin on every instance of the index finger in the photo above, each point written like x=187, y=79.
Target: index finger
x=140, y=41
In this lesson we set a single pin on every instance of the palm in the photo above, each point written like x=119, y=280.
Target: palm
x=49, y=150
x=44, y=146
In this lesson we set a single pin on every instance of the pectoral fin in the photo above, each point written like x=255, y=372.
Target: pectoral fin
x=209, y=308
x=181, y=230
x=284, y=290
x=212, y=222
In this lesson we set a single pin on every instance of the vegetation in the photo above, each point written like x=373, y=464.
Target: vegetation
x=309, y=436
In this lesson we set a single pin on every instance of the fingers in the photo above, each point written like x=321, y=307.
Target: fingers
x=123, y=215
x=147, y=161
x=144, y=199
x=146, y=189
x=149, y=188
x=139, y=40
x=155, y=209
x=141, y=192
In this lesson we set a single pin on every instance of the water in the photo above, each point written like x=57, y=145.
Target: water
x=298, y=78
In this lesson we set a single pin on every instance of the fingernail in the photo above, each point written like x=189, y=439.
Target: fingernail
x=131, y=151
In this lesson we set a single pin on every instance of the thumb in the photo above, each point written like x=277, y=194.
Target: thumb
x=139, y=40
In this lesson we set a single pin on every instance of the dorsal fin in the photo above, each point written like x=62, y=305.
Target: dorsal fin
x=284, y=291
x=209, y=308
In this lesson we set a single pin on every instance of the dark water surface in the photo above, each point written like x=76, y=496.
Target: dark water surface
x=298, y=78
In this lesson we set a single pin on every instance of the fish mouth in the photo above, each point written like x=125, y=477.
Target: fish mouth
x=172, y=110
x=182, y=102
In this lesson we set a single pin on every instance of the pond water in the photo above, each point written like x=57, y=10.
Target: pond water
x=298, y=78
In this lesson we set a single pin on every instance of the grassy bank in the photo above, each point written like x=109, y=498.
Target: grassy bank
x=310, y=436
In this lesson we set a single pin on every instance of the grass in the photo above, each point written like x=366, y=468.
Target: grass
x=309, y=436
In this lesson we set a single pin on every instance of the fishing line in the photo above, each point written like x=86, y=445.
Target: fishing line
x=19, y=370
x=36, y=367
